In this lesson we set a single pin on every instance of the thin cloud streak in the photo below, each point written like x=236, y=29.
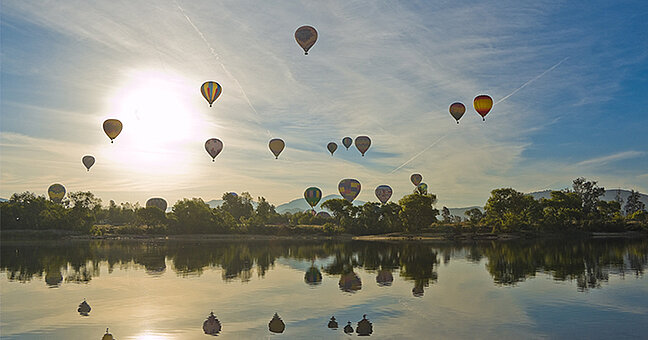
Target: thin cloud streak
x=531, y=81
x=420, y=153
x=598, y=161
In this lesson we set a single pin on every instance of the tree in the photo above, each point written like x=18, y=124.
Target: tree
x=264, y=211
x=150, y=216
x=84, y=207
x=193, y=216
x=633, y=203
x=445, y=213
x=239, y=206
x=562, y=211
x=508, y=209
x=474, y=215
x=418, y=211
x=589, y=193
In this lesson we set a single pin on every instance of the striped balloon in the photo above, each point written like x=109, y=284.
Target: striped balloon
x=384, y=193
x=483, y=105
x=313, y=195
x=362, y=143
x=56, y=192
x=211, y=90
x=457, y=110
x=349, y=189
x=416, y=179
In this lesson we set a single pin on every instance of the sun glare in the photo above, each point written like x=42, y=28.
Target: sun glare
x=160, y=121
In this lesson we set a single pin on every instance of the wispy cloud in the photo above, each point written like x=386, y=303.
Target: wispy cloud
x=599, y=161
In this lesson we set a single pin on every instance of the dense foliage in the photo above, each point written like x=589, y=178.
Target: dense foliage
x=507, y=210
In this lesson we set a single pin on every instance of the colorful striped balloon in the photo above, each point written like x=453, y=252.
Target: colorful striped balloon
x=211, y=90
x=416, y=179
x=56, y=192
x=457, y=110
x=349, y=189
x=347, y=141
x=383, y=193
x=313, y=195
x=362, y=143
x=483, y=104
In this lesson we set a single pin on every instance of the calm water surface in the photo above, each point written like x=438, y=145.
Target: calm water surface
x=166, y=289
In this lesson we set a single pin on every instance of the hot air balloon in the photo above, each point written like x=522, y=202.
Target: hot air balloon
x=323, y=214
x=306, y=37
x=157, y=202
x=416, y=179
x=276, y=146
x=349, y=189
x=457, y=110
x=112, y=128
x=213, y=146
x=347, y=141
x=332, y=146
x=383, y=192
x=313, y=195
x=88, y=161
x=362, y=143
x=211, y=90
x=421, y=189
x=56, y=192
x=483, y=105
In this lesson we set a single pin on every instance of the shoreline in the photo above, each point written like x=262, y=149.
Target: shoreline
x=44, y=235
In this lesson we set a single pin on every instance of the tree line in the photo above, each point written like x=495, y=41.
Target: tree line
x=507, y=210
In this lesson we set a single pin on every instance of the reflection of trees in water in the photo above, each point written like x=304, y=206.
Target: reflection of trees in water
x=587, y=262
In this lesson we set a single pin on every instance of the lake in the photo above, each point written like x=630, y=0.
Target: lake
x=164, y=289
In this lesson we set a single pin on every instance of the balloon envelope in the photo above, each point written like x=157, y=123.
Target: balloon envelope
x=422, y=189
x=306, y=37
x=347, y=141
x=157, y=202
x=313, y=195
x=112, y=128
x=457, y=110
x=323, y=214
x=483, y=105
x=362, y=143
x=56, y=192
x=384, y=193
x=416, y=179
x=211, y=90
x=276, y=145
x=349, y=189
x=88, y=161
x=213, y=146
x=332, y=146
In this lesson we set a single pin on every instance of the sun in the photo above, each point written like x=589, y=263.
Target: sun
x=160, y=121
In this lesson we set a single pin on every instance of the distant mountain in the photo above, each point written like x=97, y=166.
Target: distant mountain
x=299, y=204
x=217, y=203
x=610, y=195
x=3, y=199
x=461, y=212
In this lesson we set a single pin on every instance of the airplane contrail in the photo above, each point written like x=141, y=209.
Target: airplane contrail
x=420, y=153
x=531, y=81
x=213, y=52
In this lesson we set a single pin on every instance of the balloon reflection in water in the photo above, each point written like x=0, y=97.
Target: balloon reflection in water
x=350, y=282
x=84, y=308
x=348, y=328
x=384, y=278
x=108, y=336
x=313, y=276
x=276, y=325
x=332, y=323
x=364, y=327
x=212, y=326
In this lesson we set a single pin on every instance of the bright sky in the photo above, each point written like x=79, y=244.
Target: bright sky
x=569, y=80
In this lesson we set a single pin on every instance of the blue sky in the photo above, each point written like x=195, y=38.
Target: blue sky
x=569, y=80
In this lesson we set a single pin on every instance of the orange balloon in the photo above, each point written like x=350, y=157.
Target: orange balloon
x=483, y=104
